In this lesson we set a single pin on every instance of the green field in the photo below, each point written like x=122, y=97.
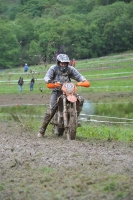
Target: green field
x=110, y=74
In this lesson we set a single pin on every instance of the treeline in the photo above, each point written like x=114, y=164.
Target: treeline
x=35, y=31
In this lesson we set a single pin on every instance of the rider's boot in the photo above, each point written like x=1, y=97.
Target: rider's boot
x=47, y=117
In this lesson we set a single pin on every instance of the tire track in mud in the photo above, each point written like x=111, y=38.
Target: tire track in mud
x=53, y=166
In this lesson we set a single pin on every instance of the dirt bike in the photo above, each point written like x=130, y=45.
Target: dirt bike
x=66, y=118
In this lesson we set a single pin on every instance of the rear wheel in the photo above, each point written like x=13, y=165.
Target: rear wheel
x=58, y=131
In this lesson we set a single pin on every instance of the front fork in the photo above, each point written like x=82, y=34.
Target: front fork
x=65, y=111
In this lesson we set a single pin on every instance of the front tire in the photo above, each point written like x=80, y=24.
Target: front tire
x=71, y=130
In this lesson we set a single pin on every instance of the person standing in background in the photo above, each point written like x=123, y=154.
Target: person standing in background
x=26, y=67
x=32, y=83
x=72, y=62
x=20, y=83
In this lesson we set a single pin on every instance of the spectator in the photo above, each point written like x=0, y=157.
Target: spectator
x=72, y=62
x=32, y=83
x=20, y=83
x=26, y=67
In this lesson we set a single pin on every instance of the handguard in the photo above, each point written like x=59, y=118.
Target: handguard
x=53, y=85
x=84, y=84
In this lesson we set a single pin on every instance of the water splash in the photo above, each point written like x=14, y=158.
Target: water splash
x=88, y=108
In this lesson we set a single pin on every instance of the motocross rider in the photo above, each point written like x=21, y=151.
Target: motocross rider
x=61, y=72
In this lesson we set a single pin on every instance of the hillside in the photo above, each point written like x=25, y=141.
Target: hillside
x=35, y=31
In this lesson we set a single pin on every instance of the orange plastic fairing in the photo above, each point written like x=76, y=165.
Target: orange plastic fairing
x=71, y=98
x=84, y=84
x=69, y=86
x=53, y=85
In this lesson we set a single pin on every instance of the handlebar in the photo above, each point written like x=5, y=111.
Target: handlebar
x=57, y=84
x=83, y=84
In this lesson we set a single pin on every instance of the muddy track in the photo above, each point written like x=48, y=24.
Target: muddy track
x=43, y=98
x=53, y=168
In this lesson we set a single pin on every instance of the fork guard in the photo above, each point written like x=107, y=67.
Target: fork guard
x=71, y=98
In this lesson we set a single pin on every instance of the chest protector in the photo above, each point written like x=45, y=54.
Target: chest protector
x=60, y=76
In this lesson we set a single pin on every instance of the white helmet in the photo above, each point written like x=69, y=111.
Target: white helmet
x=63, y=58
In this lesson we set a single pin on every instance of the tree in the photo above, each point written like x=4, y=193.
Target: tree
x=25, y=33
x=34, y=52
x=9, y=47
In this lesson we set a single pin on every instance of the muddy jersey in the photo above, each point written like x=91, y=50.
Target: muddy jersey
x=58, y=74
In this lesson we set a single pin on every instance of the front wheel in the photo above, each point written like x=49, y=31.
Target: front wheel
x=71, y=129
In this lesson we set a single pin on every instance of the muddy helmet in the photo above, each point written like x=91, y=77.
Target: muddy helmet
x=63, y=58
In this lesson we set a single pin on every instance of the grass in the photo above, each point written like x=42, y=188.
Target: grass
x=105, y=132
x=123, y=110
x=111, y=73
x=32, y=118
x=70, y=182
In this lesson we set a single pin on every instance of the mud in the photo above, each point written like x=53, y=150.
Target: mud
x=53, y=168
x=43, y=98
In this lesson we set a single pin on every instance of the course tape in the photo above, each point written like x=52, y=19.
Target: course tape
x=10, y=105
x=107, y=117
x=82, y=119
x=111, y=74
x=105, y=61
x=95, y=75
x=108, y=122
